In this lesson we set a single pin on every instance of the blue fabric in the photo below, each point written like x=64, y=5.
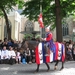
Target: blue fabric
x=23, y=61
x=54, y=52
x=50, y=43
x=44, y=52
x=47, y=34
x=52, y=48
x=10, y=44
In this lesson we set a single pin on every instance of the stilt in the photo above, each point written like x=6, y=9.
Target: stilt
x=47, y=66
x=55, y=67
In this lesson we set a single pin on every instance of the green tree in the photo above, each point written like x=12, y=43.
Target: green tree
x=5, y=6
x=53, y=12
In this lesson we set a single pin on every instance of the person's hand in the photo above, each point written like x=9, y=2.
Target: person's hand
x=4, y=56
x=44, y=39
x=41, y=38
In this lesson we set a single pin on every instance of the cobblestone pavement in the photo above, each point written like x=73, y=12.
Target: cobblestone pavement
x=29, y=69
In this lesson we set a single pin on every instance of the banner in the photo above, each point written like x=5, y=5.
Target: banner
x=40, y=52
x=40, y=20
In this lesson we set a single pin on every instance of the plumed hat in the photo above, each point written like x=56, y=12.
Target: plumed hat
x=48, y=27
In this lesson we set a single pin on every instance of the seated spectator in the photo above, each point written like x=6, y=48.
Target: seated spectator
x=15, y=45
x=10, y=43
x=69, y=54
x=0, y=44
x=12, y=56
x=33, y=56
x=28, y=55
x=18, y=57
x=4, y=55
x=74, y=53
x=0, y=56
x=5, y=44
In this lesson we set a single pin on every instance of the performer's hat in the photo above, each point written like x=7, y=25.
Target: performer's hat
x=48, y=27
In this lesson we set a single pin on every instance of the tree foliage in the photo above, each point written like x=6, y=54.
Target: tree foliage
x=53, y=12
x=32, y=9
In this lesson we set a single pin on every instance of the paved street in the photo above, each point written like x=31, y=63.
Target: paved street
x=28, y=69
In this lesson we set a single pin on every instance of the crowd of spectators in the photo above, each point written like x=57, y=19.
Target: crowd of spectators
x=11, y=52
x=70, y=50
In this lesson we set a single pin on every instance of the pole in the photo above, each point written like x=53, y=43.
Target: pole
x=41, y=12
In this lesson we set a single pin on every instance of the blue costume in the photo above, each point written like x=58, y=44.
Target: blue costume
x=49, y=41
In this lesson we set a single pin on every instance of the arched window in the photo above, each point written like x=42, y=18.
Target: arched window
x=28, y=26
x=65, y=29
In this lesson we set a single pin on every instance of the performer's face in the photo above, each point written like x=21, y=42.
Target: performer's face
x=47, y=30
x=4, y=47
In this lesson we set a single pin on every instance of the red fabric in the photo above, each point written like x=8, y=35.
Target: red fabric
x=48, y=58
x=49, y=37
x=37, y=55
x=63, y=56
x=57, y=47
x=40, y=20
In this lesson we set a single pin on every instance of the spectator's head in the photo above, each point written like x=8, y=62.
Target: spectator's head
x=4, y=48
x=5, y=40
x=0, y=40
x=11, y=48
x=27, y=48
x=9, y=41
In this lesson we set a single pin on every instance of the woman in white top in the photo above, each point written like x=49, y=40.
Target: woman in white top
x=12, y=53
x=4, y=56
x=12, y=56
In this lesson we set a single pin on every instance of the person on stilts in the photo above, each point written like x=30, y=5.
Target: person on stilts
x=49, y=41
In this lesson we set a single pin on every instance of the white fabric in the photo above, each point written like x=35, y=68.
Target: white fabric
x=48, y=27
x=74, y=51
x=59, y=51
x=4, y=54
x=70, y=46
x=12, y=54
x=18, y=56
x=40, y=52
x=0, y=52
x=27, y=53
x=51, y=56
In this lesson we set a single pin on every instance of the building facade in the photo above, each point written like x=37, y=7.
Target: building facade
x=18, y=24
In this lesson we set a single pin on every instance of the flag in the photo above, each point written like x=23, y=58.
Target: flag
x=40, y=20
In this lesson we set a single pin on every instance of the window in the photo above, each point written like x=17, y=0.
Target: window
x=65, y=29
x=29, y=26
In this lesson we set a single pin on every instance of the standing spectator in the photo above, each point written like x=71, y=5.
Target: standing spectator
x=71, y=45
x=28, y=55
x=4, y=55
x=19, y=44
x=69, y=53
